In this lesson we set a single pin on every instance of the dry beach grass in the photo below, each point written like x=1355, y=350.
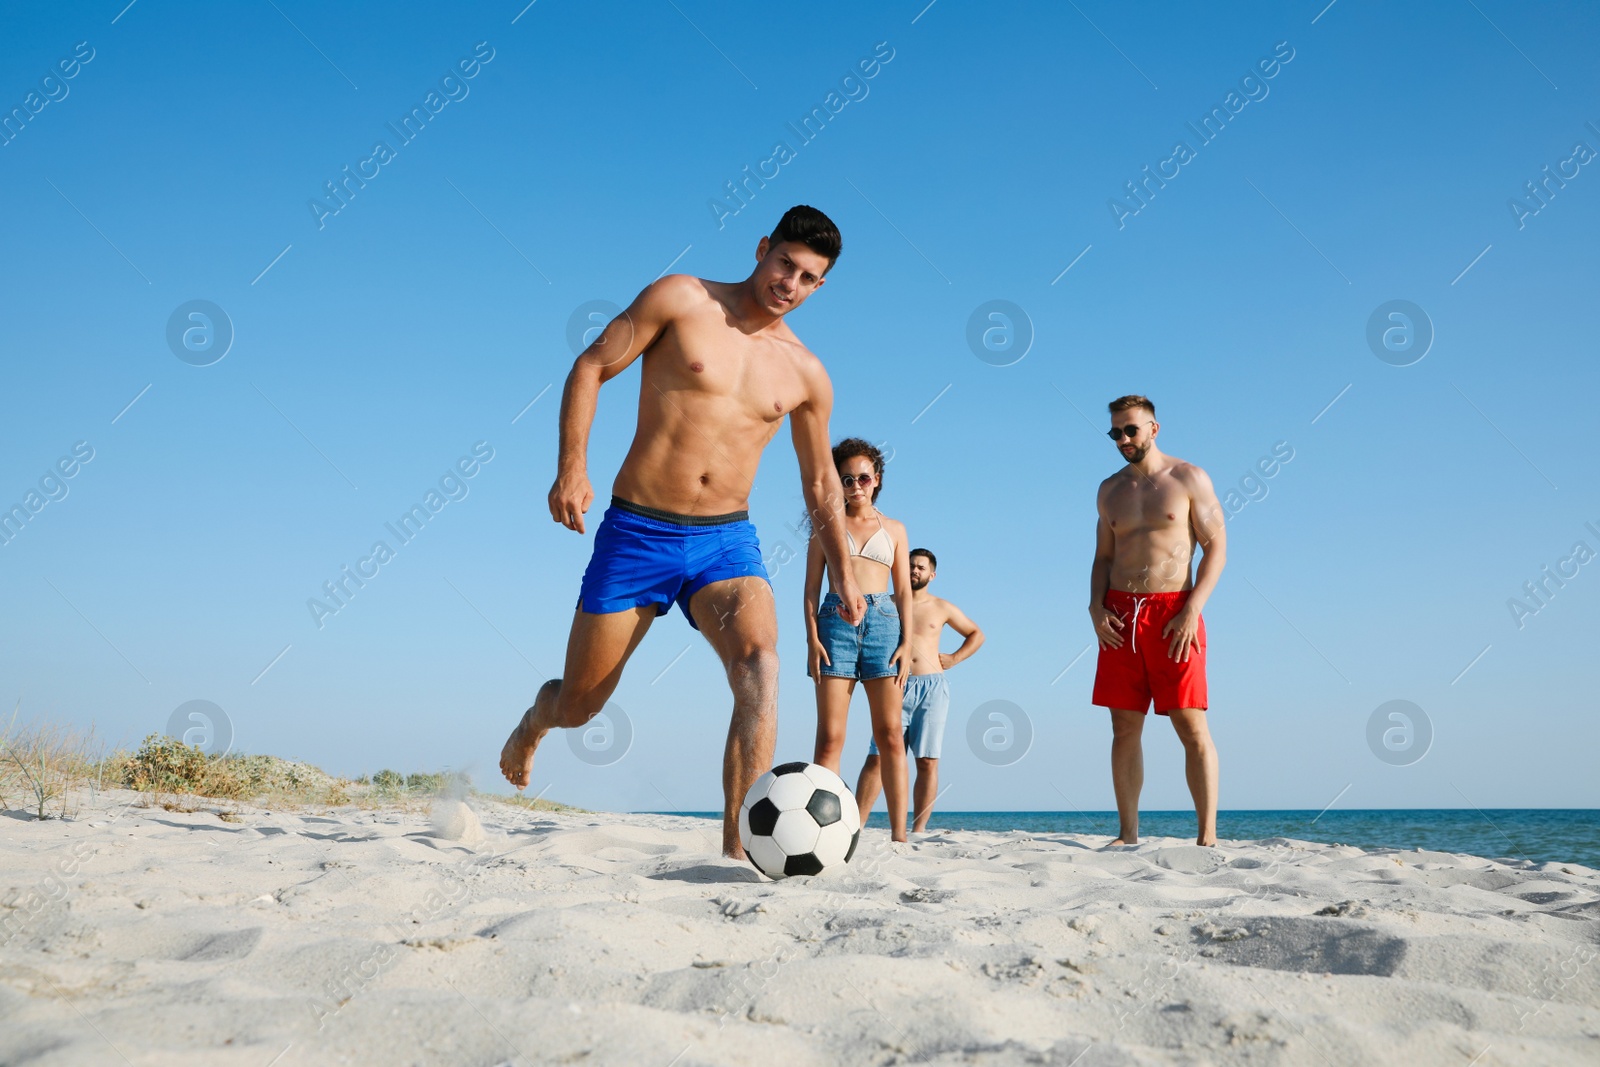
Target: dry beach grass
x=47, y=769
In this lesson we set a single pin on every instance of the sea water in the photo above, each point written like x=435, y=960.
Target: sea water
x=1543, y=835
x=1539, y=834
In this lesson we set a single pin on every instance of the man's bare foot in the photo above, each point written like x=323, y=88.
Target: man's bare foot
x=516, y=758
x=732, y=847
x=1210, y=842
x=1120, y=841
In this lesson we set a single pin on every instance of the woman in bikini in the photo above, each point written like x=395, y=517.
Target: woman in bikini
x=875, y=653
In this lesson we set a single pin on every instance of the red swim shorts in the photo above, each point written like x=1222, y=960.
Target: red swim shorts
x=1142, y=670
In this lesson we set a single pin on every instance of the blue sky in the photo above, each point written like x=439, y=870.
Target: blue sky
x=978, y=163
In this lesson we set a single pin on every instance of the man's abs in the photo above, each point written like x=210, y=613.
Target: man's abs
x=1153, y=569
x=693, y=457
x=1153, y=561
x=925, y=657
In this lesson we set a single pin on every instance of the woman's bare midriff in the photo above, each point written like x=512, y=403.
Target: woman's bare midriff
x=871, y=576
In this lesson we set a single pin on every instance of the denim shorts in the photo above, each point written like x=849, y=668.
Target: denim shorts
x=923, y=711
x=860, y=652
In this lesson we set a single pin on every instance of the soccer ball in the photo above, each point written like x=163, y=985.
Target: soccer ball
x=799, y=818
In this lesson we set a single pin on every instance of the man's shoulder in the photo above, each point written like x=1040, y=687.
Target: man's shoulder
x=681, y=291
x=783, y=332
x=673, y=297
x=1190, y=474
x=808, y=366
x=806, y=358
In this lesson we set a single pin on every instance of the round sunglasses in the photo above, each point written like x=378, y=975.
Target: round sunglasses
x=1116, y=433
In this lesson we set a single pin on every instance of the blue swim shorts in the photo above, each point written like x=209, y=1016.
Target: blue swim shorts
x=859, y=652
x=922, y=715
x=647, y=556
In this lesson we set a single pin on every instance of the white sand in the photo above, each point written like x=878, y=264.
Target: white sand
x=137, y=935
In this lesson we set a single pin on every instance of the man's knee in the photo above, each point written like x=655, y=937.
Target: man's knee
x=754, y=664
x=574, y=707
x=1190, y=726
x=927, y=765
x=1127, y=725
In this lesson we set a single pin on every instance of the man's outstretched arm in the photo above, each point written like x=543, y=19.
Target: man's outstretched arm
x=619, y=344
x=819, y=482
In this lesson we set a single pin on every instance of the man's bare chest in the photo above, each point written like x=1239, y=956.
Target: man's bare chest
x=757, y=378
x=1148, y=504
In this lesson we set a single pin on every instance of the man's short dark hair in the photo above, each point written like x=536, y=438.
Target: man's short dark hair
x=933, y=564
x=810, y=227
x=1132, y=400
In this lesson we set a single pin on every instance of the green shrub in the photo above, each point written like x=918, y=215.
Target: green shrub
x=167, y=765
x=389, y=781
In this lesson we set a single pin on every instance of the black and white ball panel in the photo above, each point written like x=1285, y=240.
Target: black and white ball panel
x=799, y=819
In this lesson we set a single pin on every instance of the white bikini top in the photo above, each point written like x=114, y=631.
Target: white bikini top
x=883, y=553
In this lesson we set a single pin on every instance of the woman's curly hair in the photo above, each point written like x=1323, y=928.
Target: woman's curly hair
x=849, y=448
x=852, y=447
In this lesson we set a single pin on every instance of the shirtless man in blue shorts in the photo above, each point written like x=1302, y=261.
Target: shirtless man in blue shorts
x=721, y=369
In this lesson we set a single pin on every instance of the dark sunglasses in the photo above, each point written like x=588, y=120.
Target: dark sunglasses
x=850, y=481
x=1116, y=433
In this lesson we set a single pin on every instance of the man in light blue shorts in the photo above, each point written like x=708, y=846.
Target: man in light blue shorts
x=927, y=697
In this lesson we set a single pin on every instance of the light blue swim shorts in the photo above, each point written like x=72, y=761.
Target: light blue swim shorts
x=922, y=715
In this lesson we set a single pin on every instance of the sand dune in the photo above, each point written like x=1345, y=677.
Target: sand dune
x=491, y=935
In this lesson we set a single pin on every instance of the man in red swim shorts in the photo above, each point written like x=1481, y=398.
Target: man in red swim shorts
x=1146, y=606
